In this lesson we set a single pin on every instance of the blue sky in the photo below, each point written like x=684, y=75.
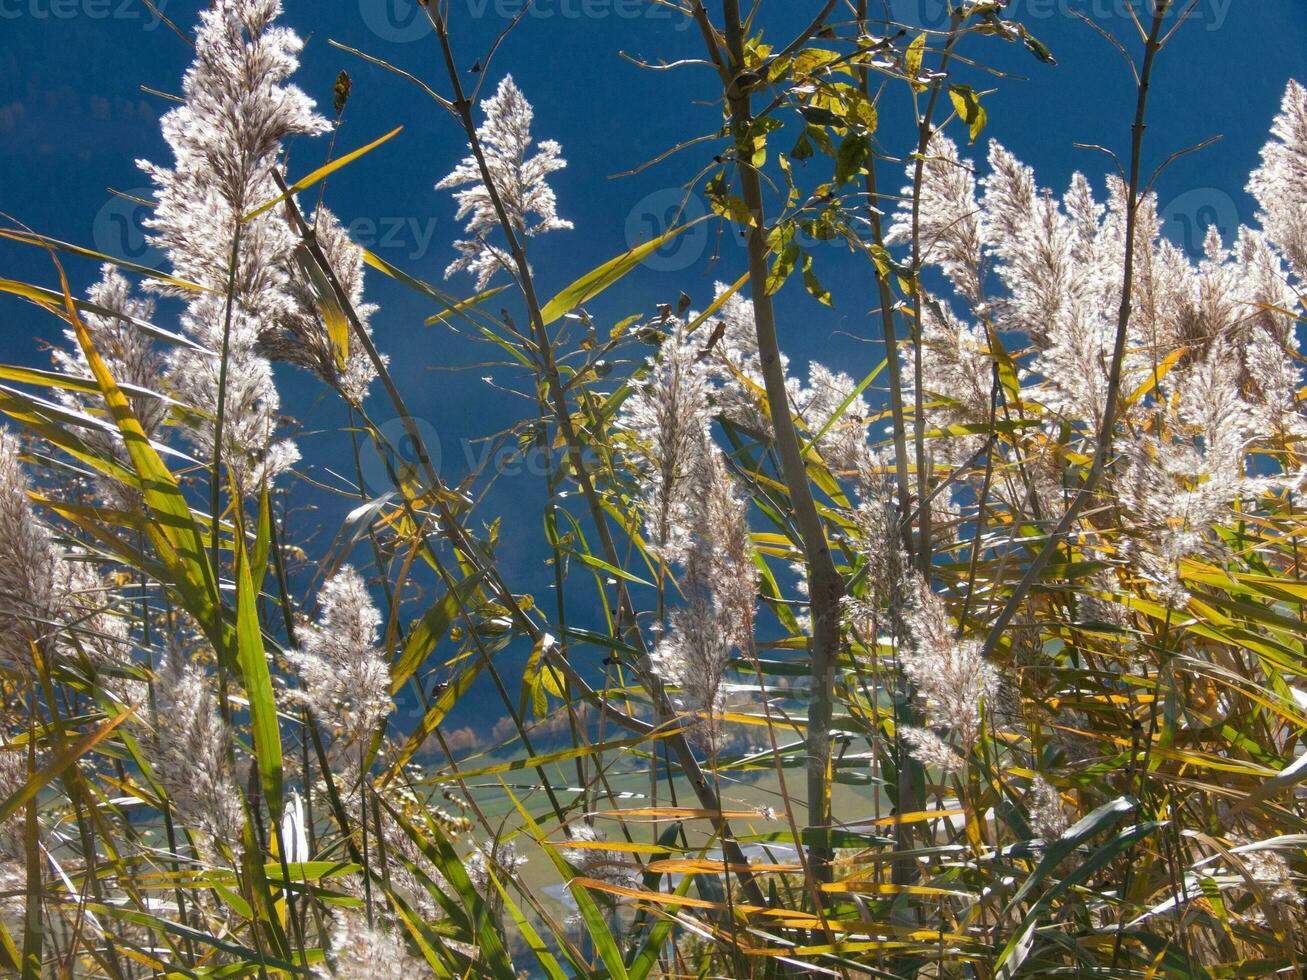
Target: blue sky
x=73, y=119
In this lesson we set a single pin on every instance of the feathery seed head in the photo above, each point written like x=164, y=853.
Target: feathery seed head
x=1280, y=184
x=519, y=182
x=346, y=679
x=226, y=137
x=189, y=749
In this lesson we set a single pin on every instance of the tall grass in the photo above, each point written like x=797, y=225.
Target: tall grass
x=1015, y=691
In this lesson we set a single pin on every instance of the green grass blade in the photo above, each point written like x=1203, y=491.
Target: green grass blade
x=253, y=663
x=597, y=280
x=326, y=170
x=597, y=928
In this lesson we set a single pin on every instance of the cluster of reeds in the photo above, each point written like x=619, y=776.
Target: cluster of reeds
x=1016, y=689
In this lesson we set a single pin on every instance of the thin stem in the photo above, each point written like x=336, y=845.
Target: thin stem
x=825, y=585
x=563, y=418
x=1107, y=428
